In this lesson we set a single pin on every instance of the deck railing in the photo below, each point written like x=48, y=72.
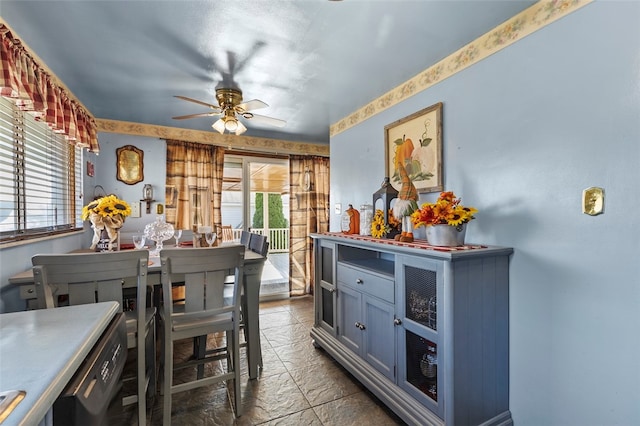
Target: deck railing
x=278, y=238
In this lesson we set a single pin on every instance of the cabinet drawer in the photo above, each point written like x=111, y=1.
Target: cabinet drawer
x=366, y=282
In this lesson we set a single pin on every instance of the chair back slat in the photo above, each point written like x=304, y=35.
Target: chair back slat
x=205, y=270
x=109, y=290
x=194, y=292
x=82, y=293
x=214, y=293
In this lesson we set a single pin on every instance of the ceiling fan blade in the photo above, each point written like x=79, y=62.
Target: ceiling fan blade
x=251, y=105
x=184, y=98
x=203, y=114
x=267, y=120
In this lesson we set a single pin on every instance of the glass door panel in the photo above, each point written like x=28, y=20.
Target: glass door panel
x=255, y=198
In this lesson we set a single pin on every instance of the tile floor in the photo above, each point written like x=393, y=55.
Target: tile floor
x=299, y=384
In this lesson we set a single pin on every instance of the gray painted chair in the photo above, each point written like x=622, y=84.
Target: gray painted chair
x=82, y=278
x=259, y=244
x=245, y=237
x=203, y=312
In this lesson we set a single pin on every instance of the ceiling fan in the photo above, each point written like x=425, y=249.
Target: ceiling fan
x=229, y=107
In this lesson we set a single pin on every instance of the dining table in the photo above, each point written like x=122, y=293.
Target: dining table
x=252, y=272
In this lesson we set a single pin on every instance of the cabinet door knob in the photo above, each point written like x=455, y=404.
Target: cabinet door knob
x=359, y=281
x=358, y=325
x=397, y=321
x=362, y=327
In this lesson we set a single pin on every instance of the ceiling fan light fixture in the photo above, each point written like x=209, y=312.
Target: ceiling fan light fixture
x=241, y=129
x=230, y=124
x=219, y=126
x=231, y=108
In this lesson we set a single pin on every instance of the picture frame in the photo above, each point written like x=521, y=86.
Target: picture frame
x=416, y=141
x=90, y=169
x=130, y=164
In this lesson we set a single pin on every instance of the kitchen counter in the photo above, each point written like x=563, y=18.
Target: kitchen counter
x=40, y=351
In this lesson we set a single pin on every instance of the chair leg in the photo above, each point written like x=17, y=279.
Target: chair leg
x=142, y=385
x=236, y=369
x=199, y=351
x=167, y=381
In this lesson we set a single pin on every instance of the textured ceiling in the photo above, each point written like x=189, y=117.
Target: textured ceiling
x=313, y=61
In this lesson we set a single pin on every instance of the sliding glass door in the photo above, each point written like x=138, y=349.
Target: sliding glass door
x=255, y=197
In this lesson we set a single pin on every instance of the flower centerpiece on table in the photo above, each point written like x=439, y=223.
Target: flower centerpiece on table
x=106, y=213
x=447, y=210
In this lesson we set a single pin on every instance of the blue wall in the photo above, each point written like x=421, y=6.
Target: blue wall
x=524, y=132
x=154, y=159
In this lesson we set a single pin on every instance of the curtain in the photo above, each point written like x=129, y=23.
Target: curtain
x=33, y=90
x=193, y=184
x=309, y=213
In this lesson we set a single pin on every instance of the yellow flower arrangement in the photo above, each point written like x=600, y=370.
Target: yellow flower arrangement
x=107, y=206
x=378, y=227
x=447, y=210
x=106, y=213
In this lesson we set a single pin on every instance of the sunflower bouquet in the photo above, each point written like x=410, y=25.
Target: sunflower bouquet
x=447, y=210
x=379, y=229
x=106, y=213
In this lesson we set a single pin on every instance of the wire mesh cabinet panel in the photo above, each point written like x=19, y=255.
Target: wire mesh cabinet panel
x=325, y=285
x=420, y=352
x=453, y=348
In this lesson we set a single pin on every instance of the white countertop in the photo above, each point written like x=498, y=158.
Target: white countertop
x=41, y=350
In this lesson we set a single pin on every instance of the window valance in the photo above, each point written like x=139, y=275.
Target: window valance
x=33, y=90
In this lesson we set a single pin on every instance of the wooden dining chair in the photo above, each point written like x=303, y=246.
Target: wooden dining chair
x=204, y=312
x=82, y=278
x=225, y=232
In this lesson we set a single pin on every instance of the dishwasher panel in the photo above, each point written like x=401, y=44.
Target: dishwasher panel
x=93, y=396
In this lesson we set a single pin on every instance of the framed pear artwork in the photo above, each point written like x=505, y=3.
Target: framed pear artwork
x=416, y=142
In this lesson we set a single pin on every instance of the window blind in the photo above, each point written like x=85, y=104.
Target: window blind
x=40, y=178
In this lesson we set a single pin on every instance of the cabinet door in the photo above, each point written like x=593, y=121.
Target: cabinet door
x=421, y=343
x=325, y=298
x=379, y=335
x=350, y=318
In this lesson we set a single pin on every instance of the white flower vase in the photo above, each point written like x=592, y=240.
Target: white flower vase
x=446, y=235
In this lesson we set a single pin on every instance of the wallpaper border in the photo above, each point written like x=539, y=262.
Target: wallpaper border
x=516, y=28
x=241, y=143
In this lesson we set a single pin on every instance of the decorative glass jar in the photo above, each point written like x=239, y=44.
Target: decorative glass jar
x=158, y=231
x=366, y=218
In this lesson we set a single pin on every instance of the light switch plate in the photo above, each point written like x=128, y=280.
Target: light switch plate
x=135, y=209
x=593, y=201
x=338, y=208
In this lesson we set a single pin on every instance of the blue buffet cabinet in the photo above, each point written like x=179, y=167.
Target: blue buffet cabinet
x=424, y=329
